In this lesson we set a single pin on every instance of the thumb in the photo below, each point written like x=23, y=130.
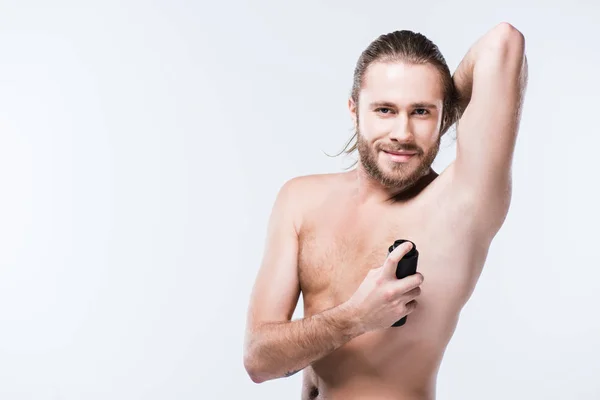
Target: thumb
x=391, y=262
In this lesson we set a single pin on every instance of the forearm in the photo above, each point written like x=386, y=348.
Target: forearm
x=500, y=46
x=463, y=79
x=281, y=349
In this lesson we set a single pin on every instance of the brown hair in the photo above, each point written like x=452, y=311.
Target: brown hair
x=410, y=47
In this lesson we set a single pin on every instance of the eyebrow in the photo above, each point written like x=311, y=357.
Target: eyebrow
x=413, y=105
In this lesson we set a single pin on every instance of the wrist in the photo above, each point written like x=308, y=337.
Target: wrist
x=353, y=323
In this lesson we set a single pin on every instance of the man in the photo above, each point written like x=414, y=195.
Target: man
x=328, y=234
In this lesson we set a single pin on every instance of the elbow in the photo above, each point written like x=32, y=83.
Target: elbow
x=503, y=46
x=252, y=370
x=506, y=37
x=252, y=364
x=508, y=32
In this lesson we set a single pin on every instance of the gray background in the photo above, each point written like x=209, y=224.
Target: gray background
x=142, y=145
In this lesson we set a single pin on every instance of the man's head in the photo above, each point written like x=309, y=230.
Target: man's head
x=403, y=100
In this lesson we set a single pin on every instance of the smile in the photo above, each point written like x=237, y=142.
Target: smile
x=399, y=156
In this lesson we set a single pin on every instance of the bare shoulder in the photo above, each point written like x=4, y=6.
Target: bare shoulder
x=305, y=192
x=316, y=181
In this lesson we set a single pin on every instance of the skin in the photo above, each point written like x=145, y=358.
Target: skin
x=328, y=234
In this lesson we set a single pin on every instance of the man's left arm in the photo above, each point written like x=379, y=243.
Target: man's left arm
x=491, y=82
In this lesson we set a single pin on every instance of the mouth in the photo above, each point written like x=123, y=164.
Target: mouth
x=401, y=153
x=399, y=156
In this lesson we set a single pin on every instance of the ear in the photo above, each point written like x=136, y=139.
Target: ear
x=352, y=109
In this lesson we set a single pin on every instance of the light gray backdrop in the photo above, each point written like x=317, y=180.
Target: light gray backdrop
x=141, y=147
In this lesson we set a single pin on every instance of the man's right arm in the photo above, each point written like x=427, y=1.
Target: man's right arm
x=275, y=346
x=281, y=349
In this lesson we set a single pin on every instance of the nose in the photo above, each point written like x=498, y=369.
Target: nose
x=401, y=131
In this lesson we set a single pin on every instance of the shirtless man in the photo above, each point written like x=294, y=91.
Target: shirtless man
x=328, y=234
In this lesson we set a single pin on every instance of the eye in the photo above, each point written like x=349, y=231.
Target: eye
x=384, y=110
x=421, y=111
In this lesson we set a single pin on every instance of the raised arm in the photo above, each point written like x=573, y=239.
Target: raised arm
x=491, y=81
x=275, y=346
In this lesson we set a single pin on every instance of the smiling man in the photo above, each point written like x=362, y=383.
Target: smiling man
x=328, y=234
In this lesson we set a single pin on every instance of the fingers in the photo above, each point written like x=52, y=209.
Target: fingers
x=410, y=306
x=405, y=289
x=410, y=283
x=412, y=294
x=391, y=262
x=403, y=292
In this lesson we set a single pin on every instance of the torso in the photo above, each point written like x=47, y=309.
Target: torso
x=340, y=242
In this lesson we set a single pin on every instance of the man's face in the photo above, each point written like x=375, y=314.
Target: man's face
x=398, y=121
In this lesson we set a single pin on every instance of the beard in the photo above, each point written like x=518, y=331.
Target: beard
x=396, y=174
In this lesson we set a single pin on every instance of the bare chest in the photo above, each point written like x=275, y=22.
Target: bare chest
x=338, y=248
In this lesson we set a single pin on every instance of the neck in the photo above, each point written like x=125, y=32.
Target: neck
x=369, y=190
